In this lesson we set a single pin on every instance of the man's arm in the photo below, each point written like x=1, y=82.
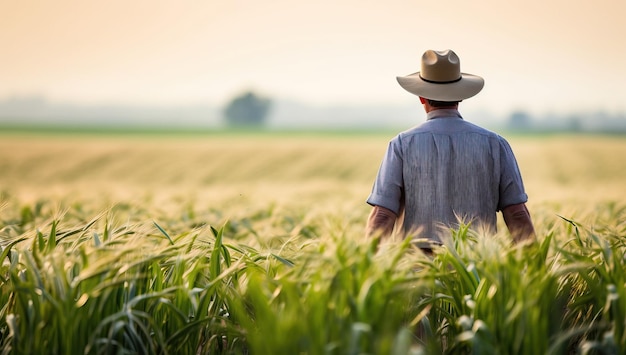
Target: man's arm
x=381, y=220
x=517, y=219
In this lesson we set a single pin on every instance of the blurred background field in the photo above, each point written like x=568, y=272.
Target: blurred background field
x=239, y=172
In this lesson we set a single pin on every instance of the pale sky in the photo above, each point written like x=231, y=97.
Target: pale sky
x=536, y=55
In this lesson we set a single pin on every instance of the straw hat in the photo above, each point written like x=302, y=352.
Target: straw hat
x=441, y=78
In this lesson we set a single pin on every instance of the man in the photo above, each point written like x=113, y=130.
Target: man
x=446, y=170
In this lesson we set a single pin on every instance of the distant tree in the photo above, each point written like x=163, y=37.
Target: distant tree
x=247, y=109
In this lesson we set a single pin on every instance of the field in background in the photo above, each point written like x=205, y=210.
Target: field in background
x=253, y=243
x=562, y=173
x=237, y=172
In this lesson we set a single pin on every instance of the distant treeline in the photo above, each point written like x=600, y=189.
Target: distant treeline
x=37, y=113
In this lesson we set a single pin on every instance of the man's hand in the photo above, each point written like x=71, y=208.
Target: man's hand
x=381, y=221
x=517, y=219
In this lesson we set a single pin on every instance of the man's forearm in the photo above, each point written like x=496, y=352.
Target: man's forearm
x=381, y=220
x=517, y=219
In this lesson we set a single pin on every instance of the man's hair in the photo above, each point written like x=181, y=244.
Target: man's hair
x=435, y=103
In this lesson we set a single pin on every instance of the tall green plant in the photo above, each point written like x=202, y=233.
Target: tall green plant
x=338, y=297
x=127, y=291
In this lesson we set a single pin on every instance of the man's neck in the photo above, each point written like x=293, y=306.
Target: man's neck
x=429, y=108
x=443, y=113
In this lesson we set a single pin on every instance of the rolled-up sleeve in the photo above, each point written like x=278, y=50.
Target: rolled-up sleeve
x=388, y=186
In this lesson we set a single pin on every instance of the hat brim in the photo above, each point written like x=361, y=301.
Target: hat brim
x=468, y=86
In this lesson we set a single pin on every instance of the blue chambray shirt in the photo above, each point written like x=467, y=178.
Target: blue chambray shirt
x=444, y=171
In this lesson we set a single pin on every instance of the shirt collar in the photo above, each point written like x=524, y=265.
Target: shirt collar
x=443, y=113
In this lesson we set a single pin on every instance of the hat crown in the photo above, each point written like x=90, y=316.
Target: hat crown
x=440, y=66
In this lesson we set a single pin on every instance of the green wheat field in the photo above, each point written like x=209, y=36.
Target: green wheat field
x=244, y=243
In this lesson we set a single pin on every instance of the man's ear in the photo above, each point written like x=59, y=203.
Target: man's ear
x=422, y=100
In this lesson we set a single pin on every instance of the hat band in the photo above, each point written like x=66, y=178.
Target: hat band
x=440, y=82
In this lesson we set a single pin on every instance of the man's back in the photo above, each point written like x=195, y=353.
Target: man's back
x=452, y=170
